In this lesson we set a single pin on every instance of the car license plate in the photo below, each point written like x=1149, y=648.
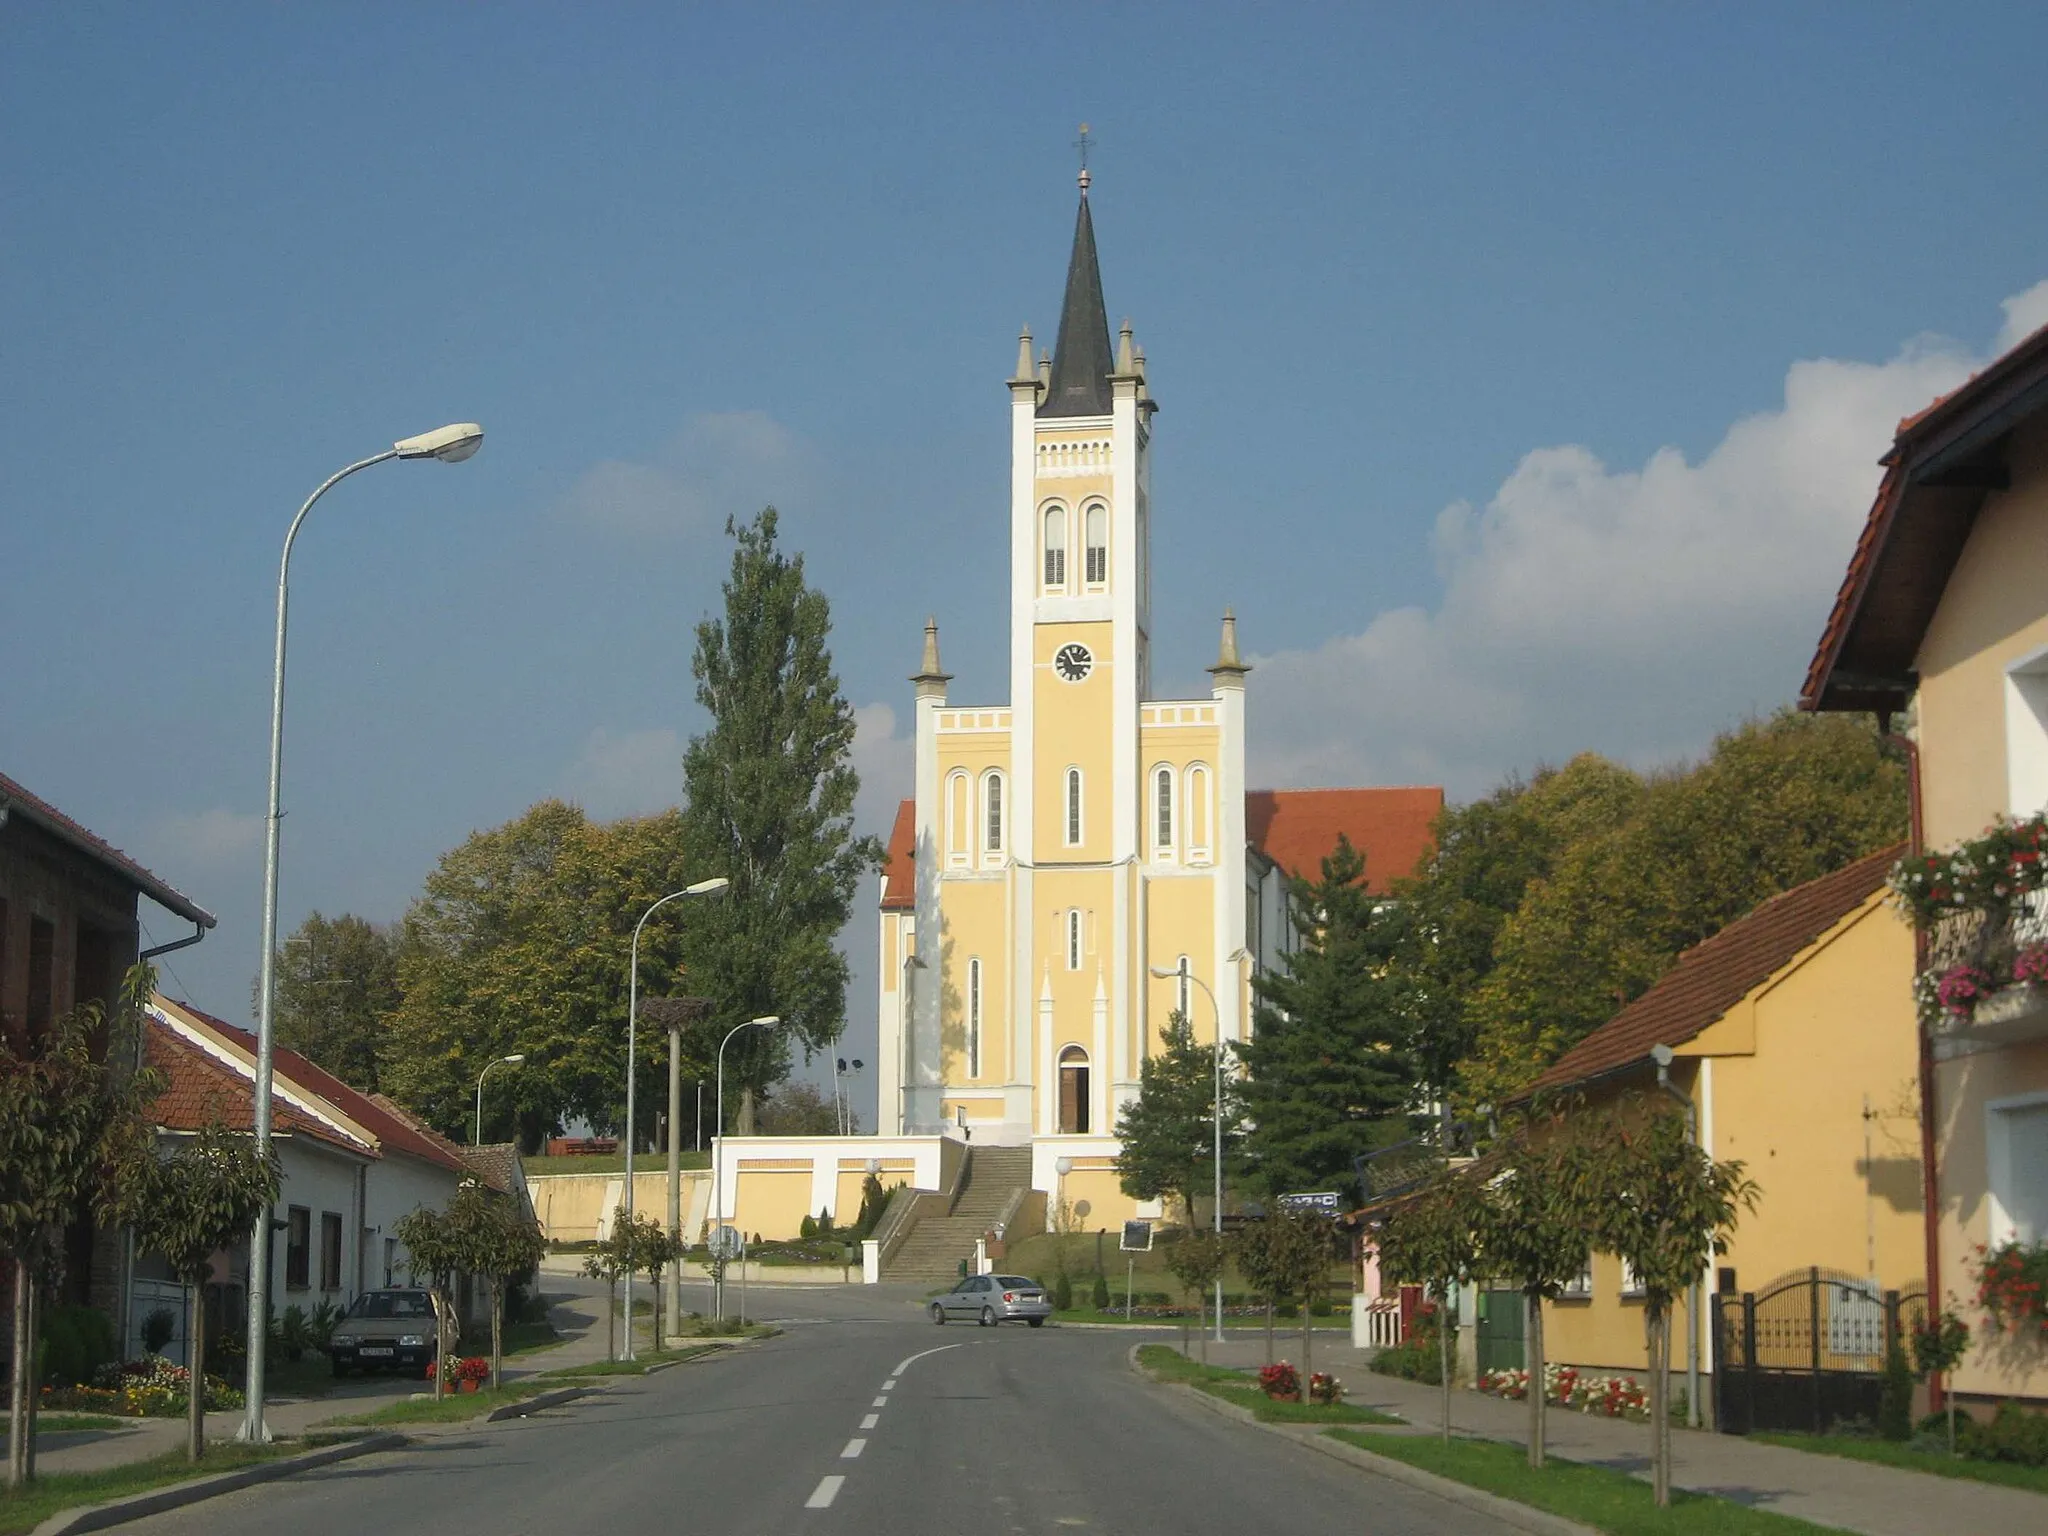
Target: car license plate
x=374, y=1349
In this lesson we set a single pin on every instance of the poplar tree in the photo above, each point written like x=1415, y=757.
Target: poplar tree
x=1332, y=1073
x=769, y=792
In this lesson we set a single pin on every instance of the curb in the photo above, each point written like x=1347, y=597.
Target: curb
x=1522, y=1517
x=536, y=1403
x=96, y=1517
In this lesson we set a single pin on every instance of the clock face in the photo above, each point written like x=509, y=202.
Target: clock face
x=1072, y=662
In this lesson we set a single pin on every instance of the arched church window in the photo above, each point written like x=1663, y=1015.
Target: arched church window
x=974, y=1018
x=1097, y=542
x=959, y=820
x=992, y=813
x=1195, y=815
x=1073, y=807
x=1055, y=549
x=1162, y=810
x=1073, y=1091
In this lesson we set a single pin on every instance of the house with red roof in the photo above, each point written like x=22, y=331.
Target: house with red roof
x=1790, y=1036
x=352, y=1166
x=1940, y=628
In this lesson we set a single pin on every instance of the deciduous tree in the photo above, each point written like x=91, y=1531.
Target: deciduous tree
x=206, y=1196
x=769, y=792
x=1432, y=1240
x=337, y=984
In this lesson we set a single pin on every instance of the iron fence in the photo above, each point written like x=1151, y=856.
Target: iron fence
x=1806, y=1352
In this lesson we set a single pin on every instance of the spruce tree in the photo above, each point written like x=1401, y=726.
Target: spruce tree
x=769, y=791
x=1330, y=1059
x=1168, y=1133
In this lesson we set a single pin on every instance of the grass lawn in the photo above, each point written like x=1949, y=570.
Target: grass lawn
x=73, y=1423
x=1234, y=1387
x=452, y=1409
x=1609, y=1501
x=638, y=1367
x=25, y=1509
x=1891, y=1453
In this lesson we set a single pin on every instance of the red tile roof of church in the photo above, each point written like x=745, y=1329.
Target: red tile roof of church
x=1393, y=828
x=899, y=888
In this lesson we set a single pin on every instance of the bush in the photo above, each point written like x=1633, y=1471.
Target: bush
x=1319, y=1308
x=77, y=1341
x=1063, y=1292
x=158, y=1329
x=288, y=1333
x=2014, y=1434
x=807, y=1228
x=320, y=1324
x=1099, y=1298
x=1415, y=1360
x=1895, y=1407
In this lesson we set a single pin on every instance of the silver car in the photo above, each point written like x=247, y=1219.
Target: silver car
x=993, y=1299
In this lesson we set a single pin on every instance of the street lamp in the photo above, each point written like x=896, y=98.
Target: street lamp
x=503, y=1061
x=1181, y=972
x=451, y=445
x=715, y=886
x=1663, y=1056
x=766, y=1021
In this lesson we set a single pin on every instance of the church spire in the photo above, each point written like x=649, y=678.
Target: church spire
x=1080, y=358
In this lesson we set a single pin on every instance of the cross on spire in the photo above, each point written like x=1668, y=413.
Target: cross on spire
x=1084, y=143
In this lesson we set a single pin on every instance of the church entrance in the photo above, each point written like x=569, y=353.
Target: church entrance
x=1073, y=1091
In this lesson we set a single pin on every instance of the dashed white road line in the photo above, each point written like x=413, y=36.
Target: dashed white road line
x=880, y=1402
x=826, y=1491
x=905, y=1365
x=853, y=1448
x=889, y=1385
x=871, y=1421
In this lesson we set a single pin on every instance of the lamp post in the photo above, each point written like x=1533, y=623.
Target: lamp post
x=1181, y=972
x=715, y=886
x=451, y=445
x=503, y=1061
x=766, y=1021
x=1663, y=1056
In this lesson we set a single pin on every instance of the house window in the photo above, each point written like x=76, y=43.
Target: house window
x=1631, y=1282
x=1162, y=810
x=1098, y=544
x=1073, y=807
x=2016, y=1144
x=1580, y=1286
x=1180, y=988
x=974, y=1018
x=330, y=1250
x=2026, y=735
x=42, y=976
x=1073, y=1091
x=1073, y=938
x=1055, y=549
x=992, y=818
x=298, y=1248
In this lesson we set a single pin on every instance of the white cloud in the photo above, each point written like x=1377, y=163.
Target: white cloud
x=730, y=463
x=631, y=773
x=2025, y=313
x=1629, y=611
x=207, y=839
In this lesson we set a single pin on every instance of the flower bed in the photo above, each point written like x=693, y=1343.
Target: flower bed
x=149, y=1387
x=1565, y=1386
x=1281, y=1382
x=465, y=1374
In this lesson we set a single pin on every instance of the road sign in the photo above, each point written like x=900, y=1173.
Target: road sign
x=727, y=1243
x=1137, y=1237
x=1321, y=1203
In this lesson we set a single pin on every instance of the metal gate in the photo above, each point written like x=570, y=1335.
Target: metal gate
x=1806, y=1351
x=1502, y=1319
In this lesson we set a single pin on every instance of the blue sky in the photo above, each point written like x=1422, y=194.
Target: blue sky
x=1523, y=371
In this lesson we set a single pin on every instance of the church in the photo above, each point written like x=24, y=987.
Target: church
x=1081, y=861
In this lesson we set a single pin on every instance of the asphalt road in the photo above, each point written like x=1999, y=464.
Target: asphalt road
x=861, y=1417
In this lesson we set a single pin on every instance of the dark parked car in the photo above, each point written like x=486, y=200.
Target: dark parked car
x=383, y=1331
x=993, y=1299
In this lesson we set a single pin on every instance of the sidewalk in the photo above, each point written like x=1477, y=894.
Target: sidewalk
x=1828, y=1490
x=578, y=1319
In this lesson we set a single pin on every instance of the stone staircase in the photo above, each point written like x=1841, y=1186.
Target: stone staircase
x=932, y=1251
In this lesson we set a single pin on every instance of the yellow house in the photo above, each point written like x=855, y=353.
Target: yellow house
x=1942, y=620
x=1791, y=1035
x=1064, y=848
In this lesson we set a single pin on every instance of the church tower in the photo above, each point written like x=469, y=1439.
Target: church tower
x=1066, y=846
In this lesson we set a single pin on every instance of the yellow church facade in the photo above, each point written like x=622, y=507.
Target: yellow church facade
x=1081, y=861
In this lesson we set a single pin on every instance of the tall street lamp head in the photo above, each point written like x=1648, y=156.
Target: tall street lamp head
x=767, y=1020
x=450, y=444
x=514, y=1059
x=1166, y=972
x=717, y=885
